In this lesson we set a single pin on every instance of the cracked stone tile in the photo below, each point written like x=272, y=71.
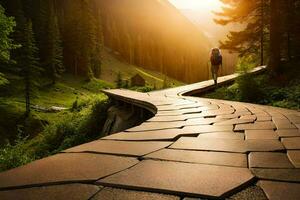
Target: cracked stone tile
x=119, y=147
x=291, y=143
x=294, y=156
x=288, y=175
x=120, y=194
x=261, y=134
x=57, y=192
x=269, y=160
x=200, y=157
x=181, y=178
x=288, y=133
x=280, y=190
x=65, y=168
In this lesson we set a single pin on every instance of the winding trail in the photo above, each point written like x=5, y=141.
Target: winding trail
x=192, y=147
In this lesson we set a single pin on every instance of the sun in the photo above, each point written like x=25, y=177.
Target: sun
x=197, y=4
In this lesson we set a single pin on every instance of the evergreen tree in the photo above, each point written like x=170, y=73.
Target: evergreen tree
x=250, y=40
x=54, y=53
x=275, y=43
x=29, y=63
x=7, y=25
x=119, y=81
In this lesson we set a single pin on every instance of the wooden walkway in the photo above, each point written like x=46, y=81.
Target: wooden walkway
x=192, y=148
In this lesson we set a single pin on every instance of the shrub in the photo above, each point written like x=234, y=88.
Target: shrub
x=72, y=129
x=249, y=89
x=12, y=156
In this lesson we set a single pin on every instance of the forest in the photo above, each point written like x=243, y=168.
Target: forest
x=53, y=54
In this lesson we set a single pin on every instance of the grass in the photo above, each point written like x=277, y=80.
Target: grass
x=113, y=65
x=42, y=133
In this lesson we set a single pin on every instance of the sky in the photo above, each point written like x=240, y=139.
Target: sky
x=197, y=4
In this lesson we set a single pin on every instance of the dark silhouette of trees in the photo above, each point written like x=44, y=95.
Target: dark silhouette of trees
x=271, y=26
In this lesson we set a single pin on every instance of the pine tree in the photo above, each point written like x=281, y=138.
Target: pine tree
x=119, y=81
x=7, y=25
x=275, y=43
x=251, y=39
x=29, y=63
x=54, y=56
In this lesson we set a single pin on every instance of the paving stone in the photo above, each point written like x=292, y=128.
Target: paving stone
x=167, y=134
x=181, y=178
x=174, y=118
x=211, y=113
x=201, y=157
x=264, y=145
x=261, y=134
x=65, y=167
x=230, y=116
x=121, y=194
x=294, y=156
x=234, y=121
x=151, y=126
x=227, y=145
x=58, y=192
x=288, y=133
x=291, y=143
x=119, y=147
x=174, y=124
x=283, y=124
x=250, y=193
x=207, y=144
x=208, y=128
x=223, y=135
x=261, y=118
x=289, y=175
x=255, y=126
x=269, y=160
x=280, y=190
x=248, y=117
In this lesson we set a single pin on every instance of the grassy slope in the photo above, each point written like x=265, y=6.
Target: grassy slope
x=63, y=94
x=112, y=66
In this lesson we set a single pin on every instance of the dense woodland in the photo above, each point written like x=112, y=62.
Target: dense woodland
x=271, y=34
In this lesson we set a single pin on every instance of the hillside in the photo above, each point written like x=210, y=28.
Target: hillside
x=67, y=90
x=175, y=46
x=113, y=64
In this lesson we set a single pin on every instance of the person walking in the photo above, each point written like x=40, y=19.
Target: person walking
x=216, y=61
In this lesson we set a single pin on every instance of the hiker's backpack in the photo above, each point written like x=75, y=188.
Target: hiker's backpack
x=216, y=57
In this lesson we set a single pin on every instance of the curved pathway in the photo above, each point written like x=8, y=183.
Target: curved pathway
x=192, y=148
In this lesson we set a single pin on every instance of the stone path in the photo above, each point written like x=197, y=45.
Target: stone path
x=192, y=148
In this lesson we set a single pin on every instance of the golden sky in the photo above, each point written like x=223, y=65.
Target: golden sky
x=197, y=4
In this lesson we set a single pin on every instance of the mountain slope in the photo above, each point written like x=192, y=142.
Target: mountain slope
x=155, y=35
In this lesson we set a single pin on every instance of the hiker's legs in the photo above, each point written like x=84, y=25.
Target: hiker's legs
x=215, y=71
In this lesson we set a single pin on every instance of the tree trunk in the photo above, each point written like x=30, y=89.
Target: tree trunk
x=27, y=94
x=275, y=38
x=262, y=34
